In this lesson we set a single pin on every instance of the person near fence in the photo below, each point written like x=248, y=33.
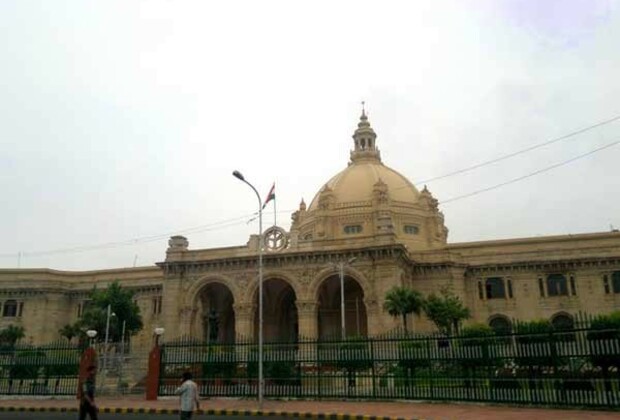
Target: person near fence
x=189, y=396
x=87, y=401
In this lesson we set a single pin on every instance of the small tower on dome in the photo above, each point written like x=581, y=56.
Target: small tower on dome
x=364, y=139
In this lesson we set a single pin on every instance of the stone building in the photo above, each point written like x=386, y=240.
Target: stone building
x=373, y=222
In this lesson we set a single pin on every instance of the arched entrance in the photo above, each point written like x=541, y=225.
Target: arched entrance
x=500, y=324
x=215, y=314
x=280, y=321
x=329, y=311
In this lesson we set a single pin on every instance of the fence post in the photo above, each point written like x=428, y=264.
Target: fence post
x=557, y=390
x=319, y=365
x=152, y=379
x=373, y=368
x=430, y=365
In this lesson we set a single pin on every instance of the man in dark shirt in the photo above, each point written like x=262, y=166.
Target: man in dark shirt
x=87, y=403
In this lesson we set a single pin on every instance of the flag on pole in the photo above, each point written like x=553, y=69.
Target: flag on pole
x=270, y=196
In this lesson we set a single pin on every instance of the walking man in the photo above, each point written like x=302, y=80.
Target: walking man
x=189, y=396
x=87, y=402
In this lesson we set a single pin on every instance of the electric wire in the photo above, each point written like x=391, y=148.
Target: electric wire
x=540, y=171
x=145, y=239
x=519, y=152
x=240, y=219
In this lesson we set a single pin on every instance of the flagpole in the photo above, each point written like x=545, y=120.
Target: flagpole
x=275, y=213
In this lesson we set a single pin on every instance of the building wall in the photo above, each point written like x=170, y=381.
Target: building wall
x=51, y=299
x=168, y=295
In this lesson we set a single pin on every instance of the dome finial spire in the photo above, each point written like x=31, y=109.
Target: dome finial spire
x=364, y=140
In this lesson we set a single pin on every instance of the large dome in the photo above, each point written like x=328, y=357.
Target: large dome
x=369, y=201
x=355, y=185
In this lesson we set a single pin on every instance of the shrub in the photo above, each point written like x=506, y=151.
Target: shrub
x=413, y=354
x=221, y=362
x=279, y=364
x=62, y=363
x=534, y=340
x=604, y=329
x=27, y=364
x=477, y=339
x=354, y=355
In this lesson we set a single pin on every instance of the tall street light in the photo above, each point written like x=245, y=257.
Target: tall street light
x=239, y=176
x=341, y=266
x=107, y=335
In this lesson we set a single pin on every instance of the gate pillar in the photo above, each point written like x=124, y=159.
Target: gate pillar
x=152, y=379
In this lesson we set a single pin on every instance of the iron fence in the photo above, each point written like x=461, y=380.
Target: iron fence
x=50, y=369
x=573, y=368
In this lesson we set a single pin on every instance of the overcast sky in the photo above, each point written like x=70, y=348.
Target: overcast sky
x=121, y=121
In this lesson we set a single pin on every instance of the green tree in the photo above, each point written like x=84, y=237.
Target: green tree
x=10, y=335
x=123, y=307
x=446, y=311
x=69, y=331
x=401, y=301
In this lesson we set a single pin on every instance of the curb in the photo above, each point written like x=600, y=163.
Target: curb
x=246, y=413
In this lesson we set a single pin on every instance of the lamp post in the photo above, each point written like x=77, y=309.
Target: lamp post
x=122, y=363
x=91, y=334
x=158, y=332
x=239, y=176
x=341, y=266
x=107, y=335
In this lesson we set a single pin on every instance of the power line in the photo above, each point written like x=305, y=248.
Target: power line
x=145, y=239
x=519, y=152
x=239, y=220
x=540, y=171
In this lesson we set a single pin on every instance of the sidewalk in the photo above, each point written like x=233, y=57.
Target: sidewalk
x=313, y=409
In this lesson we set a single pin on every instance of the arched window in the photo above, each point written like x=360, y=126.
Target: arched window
x=562, y=322
x=495, y=288
x=500, y=324
x=557, y=285
x=9, y=309
x=564, y=325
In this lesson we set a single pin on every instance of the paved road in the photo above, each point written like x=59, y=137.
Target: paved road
x=104, y=416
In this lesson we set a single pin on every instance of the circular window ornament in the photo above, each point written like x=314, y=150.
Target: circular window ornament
x=276, y=239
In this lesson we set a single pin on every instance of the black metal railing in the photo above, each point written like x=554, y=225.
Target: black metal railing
x=50, y=369
x=573, y=368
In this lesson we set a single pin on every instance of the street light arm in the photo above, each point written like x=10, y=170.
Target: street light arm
x=260, y=201
x=240, y=177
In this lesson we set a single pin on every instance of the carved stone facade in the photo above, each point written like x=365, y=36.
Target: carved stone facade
x=368, y=219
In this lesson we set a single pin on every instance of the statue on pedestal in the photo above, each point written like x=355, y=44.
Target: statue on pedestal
x=214, y=326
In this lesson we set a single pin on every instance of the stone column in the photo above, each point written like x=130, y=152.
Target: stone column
x=170, y=317
x=244, y=327
x=186, y=315
x=374, y=317
x=308, y=322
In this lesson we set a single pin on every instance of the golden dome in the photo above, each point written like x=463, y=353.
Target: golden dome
x=358, y=183
x=355, y=185
x=370, y=201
